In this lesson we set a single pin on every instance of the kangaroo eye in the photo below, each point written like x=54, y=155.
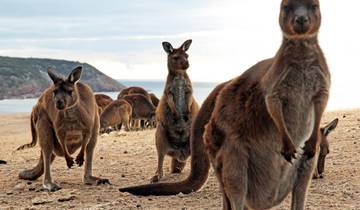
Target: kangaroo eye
x=315, y=6
x=286, y=8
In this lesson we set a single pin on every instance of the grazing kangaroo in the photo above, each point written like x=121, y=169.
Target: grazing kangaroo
x=118, y=112
x=142, y=108
x=64, y=119
x=324, y=148
x=175, y=112
x=134, y=90
x=103, y=101
x=276, y=107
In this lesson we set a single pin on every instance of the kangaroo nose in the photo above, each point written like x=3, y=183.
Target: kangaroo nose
x=301, y=20
x=60, y=104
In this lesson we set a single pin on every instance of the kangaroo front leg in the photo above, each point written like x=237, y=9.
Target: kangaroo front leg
x=89, y=179
x=171, y=103
x=80, y=157
x=320, y=102
x=69, y=160
x=275, y=109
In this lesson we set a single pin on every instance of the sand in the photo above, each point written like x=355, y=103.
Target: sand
x=130, y=158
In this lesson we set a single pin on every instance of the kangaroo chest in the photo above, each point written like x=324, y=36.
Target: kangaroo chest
x=180, y=88
x=71, y=125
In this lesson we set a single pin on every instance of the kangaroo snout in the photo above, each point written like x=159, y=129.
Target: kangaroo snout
x=60, y=104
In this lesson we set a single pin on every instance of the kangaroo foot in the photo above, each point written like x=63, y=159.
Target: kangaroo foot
x=93, y=180
x=156, y=178
x=51, y=187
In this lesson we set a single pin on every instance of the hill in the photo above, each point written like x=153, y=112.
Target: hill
x=27, y=77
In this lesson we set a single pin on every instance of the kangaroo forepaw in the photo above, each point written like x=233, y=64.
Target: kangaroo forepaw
x=70, y=162
x=79, y=159
x=309, y=151
x=289, y=154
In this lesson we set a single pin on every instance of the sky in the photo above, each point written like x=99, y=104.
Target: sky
x=123, y=38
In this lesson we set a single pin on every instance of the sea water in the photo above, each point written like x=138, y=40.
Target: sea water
x=200, y=90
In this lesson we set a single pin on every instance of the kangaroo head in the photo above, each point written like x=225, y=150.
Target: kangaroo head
x=324, y=146
x=64, y=90
x=177, y=58
x=300, y=18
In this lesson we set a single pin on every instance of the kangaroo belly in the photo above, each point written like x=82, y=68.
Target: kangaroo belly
x=270, y=176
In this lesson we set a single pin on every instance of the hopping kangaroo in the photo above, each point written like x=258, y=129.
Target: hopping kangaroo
x=64, y=119
x=260, y=117
x=175, y=112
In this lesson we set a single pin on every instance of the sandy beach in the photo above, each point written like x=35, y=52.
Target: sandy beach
x=130, y=158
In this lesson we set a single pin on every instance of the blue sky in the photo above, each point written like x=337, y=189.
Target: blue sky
x=123, y=38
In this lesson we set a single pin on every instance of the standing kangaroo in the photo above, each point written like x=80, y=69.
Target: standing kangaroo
x=175, y=112
x=64, y=119
x=260, y=119
x=255, y=120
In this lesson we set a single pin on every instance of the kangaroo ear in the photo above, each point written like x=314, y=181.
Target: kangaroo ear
x=186, y=45
x=75, y=75
x=167, y=47
x=55, y=78
x=330, y=127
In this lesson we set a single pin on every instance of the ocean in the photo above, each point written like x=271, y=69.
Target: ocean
x=200, y=90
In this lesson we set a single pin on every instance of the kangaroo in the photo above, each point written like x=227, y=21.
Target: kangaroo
x=175, y=112
x=200, y=163
x=276, y=113
x=134, y=90
x=324, y=148
x=270, y=105
x=64, y=119
x=118, y=112
x=103, y=101
x=142, y=108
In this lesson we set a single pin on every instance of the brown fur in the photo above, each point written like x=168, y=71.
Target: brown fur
x=175, y=112
x=272, y=114
x=244, y=138
x=64, y=119
x=134, y=90
x=155, y=101
x=142, y=108
x=103, y=101
x=324, y=148
x=118, y=112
